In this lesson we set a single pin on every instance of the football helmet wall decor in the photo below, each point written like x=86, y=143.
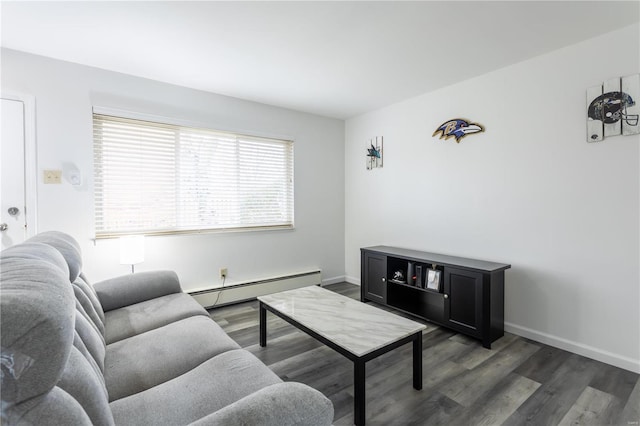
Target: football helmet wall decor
x=612, y=108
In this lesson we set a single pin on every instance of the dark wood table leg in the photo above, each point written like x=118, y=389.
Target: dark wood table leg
x=263, y=325
x=417, y=361
x=358, y=392
x=486, y=342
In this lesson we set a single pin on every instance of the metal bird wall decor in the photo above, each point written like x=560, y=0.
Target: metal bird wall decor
x=374, y=153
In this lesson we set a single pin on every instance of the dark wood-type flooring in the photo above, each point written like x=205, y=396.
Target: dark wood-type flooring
x=517, y=382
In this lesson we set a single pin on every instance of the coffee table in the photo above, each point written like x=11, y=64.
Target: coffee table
x=356, y=330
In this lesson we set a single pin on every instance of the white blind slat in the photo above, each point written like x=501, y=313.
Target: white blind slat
x=161, y=178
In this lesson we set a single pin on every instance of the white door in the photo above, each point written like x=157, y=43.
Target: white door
x=13, y=221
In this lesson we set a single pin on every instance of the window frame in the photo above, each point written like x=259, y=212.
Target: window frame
x=101, y=231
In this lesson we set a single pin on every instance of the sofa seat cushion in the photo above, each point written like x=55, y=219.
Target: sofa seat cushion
x=148, y=315
x=214, y=384
x=140, y=362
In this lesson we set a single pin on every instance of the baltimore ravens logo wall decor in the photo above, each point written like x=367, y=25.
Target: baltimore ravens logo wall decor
x=612, y=108
x=457, y=128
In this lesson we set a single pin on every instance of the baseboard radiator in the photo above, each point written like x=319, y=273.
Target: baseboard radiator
x=234, y=293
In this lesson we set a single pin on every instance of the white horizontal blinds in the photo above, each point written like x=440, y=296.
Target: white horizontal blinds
x=158, y=178
x=265, y=187
x=134, y=175
x=207, y=164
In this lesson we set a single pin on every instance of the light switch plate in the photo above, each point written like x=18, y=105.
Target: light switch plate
x=53, y=176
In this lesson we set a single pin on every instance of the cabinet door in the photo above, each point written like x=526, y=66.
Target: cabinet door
x=375, y=277
x=463, y=300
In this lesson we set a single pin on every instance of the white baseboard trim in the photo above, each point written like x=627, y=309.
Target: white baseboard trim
x=239, y=292
x=575, y=347
x=334, y=280
x=352, y=280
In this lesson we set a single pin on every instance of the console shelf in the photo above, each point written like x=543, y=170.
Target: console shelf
x=469, y=300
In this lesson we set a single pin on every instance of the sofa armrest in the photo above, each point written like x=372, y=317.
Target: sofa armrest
x=127, y=290
x=282, y=404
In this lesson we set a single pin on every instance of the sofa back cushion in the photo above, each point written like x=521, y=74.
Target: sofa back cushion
x=67, y=246
x=91, y=338
x=88, y=298
x=45, y=378
x=37, y=312
x=86, y=385
x=70, y=251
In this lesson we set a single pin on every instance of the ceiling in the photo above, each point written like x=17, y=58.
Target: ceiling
x=336, y=59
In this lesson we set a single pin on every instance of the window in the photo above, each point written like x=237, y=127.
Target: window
x=156, y=178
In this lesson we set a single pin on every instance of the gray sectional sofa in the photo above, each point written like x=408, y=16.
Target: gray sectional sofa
x=131, y=350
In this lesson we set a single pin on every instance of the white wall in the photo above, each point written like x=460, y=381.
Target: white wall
x=65, y=94
x=530, y=191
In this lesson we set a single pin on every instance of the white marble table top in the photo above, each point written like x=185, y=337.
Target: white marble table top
x=351, y=324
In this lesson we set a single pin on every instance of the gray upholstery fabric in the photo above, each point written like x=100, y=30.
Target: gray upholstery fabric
x=66, y=245
x=90, y=304
x=148, y=359
x=82, y=348
x=87, y=312
x=168, y=363
x=135, y=288
x=55, y=408
x=211, y=386
x=37, y=310
x=91, y=338
x=135, y=319
x=91, y=292
x=297, y=405
x=37, y=251
x=82, y=382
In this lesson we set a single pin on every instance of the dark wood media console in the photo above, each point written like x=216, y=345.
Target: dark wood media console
x=470, y=298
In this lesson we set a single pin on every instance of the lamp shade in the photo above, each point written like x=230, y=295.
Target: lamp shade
x=131, y=249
